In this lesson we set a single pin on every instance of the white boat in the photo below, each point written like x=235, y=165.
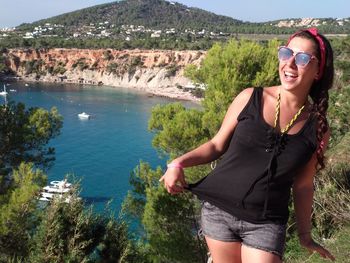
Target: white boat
x=59, y=187
x=13, y=90
x=56, y=189
x=84, y=115
x=4, y=92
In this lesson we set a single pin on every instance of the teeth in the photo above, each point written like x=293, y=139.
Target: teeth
x=290, y=74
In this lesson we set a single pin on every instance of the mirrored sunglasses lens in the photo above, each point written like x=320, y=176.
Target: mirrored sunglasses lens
x=302, y=59
x=284, y=53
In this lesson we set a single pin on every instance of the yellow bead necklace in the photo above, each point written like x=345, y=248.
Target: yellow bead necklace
x=277, y=113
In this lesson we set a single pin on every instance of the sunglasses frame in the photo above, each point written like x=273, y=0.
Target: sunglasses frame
x=294, y=55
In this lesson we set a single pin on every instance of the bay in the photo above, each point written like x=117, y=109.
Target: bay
x=101, y=151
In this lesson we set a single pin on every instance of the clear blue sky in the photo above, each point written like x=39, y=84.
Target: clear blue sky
x=15, y=12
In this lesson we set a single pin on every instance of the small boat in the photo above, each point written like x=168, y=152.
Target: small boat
x=13, y=90
x=4, y=92
x=60, y=187
x=26, y=84
x=56, y=189
x=84, y=115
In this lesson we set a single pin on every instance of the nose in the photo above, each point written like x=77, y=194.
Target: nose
x=291, y=62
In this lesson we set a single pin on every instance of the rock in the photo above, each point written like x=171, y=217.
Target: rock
x=158, y=72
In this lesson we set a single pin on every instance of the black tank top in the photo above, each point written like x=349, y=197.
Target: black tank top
x=253, y=179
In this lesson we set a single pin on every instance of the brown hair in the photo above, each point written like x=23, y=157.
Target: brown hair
x=319, y=90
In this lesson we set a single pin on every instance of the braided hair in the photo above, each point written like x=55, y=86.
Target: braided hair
x=319, y=89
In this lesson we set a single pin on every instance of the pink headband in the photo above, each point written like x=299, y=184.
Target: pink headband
x=313, y=31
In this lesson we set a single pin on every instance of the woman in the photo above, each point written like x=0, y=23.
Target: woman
x=272, y=139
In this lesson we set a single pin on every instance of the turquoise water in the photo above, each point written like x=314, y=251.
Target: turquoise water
x=103, y=150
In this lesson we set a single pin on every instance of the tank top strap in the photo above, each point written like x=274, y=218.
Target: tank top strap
x=252, y=108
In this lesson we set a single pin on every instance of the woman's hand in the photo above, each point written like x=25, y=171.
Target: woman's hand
x=312, y=246
x=174, y=180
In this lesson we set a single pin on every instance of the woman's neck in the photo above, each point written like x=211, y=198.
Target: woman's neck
x=293, y=99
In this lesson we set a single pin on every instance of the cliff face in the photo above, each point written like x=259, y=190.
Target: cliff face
x=155, y=71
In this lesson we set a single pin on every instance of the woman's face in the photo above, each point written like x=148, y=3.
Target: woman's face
x=295, y=77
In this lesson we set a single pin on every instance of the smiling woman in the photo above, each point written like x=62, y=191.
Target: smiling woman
x=272, y=140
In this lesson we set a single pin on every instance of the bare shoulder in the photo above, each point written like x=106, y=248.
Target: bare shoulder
x=271, y=91
x=243, y=97
x=269, y=95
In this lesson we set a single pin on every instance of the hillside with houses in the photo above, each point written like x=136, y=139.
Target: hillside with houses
x=155, y=20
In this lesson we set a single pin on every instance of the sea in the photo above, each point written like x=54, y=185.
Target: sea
x=102, y=151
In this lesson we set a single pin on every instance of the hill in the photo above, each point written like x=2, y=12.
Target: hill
x=157, y=14
x=174, y=17
x=153, y=24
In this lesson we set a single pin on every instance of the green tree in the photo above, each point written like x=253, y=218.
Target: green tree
x=228, y=69
x=72, y=233
x=24, y=135
x=18, y=215
x=176, y=128
x=166, y=223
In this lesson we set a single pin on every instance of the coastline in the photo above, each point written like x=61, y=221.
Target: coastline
x=166, y=92
x=156, y=72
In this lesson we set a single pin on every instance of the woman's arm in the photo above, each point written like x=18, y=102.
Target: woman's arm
x=174, y=177
x=303, y=192
x=214, y=148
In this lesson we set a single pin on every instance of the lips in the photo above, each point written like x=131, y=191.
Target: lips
x=289, y=76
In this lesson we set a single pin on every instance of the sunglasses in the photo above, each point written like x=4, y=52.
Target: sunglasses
x=301, y=58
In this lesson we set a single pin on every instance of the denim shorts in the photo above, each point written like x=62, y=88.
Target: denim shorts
x=220, y=225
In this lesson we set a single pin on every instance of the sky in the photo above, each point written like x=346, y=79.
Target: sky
x=16, y=12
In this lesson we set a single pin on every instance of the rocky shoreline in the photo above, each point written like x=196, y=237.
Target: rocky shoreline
x=156, y=72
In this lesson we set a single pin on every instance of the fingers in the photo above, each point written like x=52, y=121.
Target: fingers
x=175, y=189
x=320, y=250
x=325, y=253
x=174, y=183
x=183, y=182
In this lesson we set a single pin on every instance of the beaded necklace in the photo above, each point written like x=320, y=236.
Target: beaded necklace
x=277, y=113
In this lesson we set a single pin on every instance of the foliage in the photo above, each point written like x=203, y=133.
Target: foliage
x=71, y=233
x=173, y=241
x=33, y=66
x=25, y=133
x=332, y=195
x=332, y=199
x=338, y=114
x=59, y=232
x=227, y=70
x=107, y=55
x=18, y=214
x=149, y=203
x=151, y=13
x=81, y=64
x=171, y=70
x=338, y=245
x=181, y=43
x=176, y=128
x=141, y=178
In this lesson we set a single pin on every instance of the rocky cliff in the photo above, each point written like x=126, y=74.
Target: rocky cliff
x=154, y=71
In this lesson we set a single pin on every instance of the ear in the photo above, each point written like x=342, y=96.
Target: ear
x=317, y=76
